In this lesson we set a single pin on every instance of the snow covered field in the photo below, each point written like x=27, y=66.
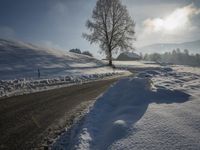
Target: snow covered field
x=136, y=65
x=21, y=60
x=159, y=109
x=21, y=63
x=27, y=68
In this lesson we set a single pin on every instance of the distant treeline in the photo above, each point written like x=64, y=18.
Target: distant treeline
x=175, y=57
x=78, y=51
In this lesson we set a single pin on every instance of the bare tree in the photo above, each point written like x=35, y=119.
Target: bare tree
x=111, y=27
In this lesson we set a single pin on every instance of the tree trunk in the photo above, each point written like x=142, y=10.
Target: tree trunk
x=110, y=58
x=110, y=62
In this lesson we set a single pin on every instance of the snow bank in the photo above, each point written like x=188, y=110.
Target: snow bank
x=159, y=109
x=24, y=86
x=114, y=114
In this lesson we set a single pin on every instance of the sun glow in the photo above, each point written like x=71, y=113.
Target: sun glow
x=177, y=20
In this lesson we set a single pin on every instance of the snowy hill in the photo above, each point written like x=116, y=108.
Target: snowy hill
x=22, y=60
x=27, y=68
x=156, y=110
x=193, y=47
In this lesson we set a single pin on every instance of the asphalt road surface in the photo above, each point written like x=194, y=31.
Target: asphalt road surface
x=28, y=121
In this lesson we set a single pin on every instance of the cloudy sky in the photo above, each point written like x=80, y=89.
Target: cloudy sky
x=60, y=23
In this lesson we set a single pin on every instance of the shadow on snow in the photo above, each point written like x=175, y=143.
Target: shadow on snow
x=116, y=111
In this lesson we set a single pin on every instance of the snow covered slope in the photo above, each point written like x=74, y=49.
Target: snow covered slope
x=20, y=64
x=22, y=60
x=157, y=110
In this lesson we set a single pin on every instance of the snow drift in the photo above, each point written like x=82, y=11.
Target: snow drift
x=114, y=114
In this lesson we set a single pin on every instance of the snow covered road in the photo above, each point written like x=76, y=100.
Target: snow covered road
x=156, y=110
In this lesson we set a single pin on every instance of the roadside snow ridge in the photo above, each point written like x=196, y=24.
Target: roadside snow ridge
x=116, y=113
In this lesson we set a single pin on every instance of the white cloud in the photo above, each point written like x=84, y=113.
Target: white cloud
x=177, y=26
x=178, y=20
